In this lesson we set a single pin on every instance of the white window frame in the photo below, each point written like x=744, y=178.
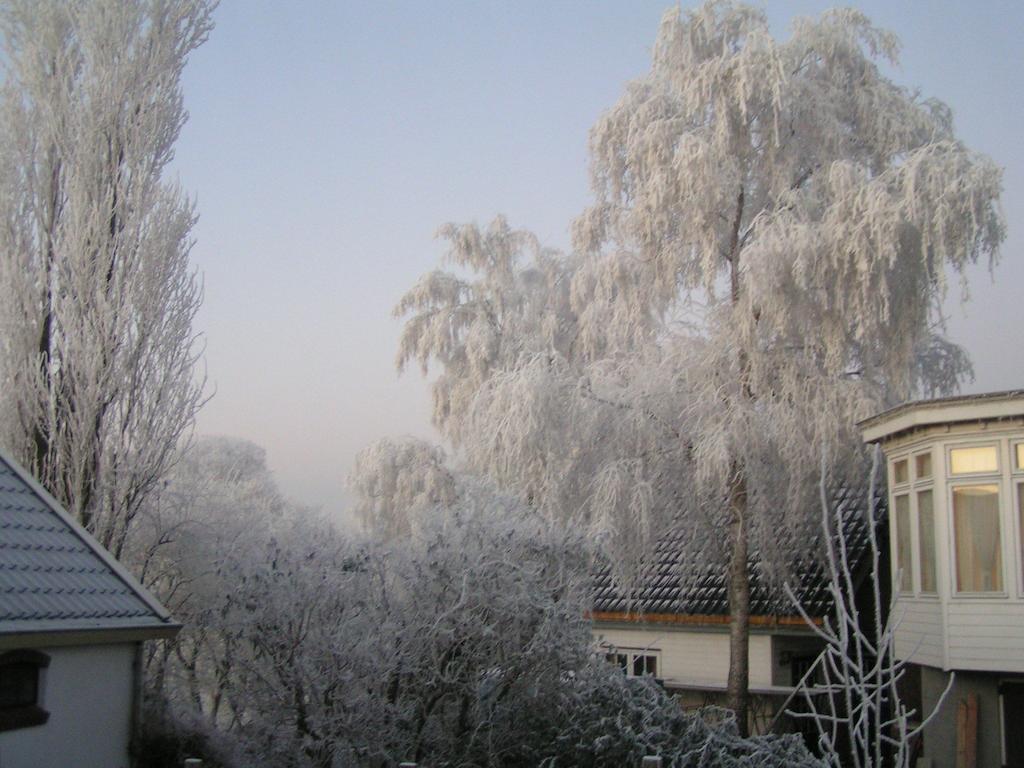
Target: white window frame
x=1016, y=478
x=911, y=488
x=928, y=485
x=898, y=582
x=631, y=654
x=998, y=477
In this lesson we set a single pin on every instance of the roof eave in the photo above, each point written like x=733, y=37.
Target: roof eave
x=992, y=406
x=699, y=620
x=39, y=637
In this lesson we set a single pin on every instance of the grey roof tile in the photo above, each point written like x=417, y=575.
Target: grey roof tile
x=51, y=576
x=669, y=585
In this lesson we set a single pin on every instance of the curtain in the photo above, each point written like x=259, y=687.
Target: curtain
x=979, y=562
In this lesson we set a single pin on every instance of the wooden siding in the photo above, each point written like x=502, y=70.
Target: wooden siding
x=919, y=637
x=986, y=635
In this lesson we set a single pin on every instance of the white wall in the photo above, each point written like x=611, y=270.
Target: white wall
x=88, y=693
x=986, y=635
x=693, y=656
x=919, y=634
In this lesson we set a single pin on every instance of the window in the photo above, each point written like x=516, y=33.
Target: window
x=903, y=544
x=926, y=540
x=979, y=562
x=635, y=663
x=620, y=660
x=923, y=466
x=913, y=520
x=645, y=664
x=1020, y=517
x=1017, y=452
x=20, y=683
x=972, y=460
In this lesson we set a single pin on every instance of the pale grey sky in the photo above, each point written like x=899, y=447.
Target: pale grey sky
x=328, y=140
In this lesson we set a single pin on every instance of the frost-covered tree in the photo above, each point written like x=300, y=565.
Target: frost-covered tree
x=852, y=693
x=774, y=226
x=217, y=508
x=98, y=355
x=395, y=482
x=462, y=642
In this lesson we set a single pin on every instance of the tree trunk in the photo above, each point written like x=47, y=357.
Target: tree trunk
x=738, y=692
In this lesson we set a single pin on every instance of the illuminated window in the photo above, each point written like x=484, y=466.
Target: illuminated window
x=979, y=562
x=1020, y=516
x=966, y=461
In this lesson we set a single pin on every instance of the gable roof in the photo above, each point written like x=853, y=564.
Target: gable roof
x=666, y=592
x=55, y=578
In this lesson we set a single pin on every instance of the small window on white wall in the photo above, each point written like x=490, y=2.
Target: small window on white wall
x=645, y=664
x=639, y=663
x=979, y=562
x=21, y=689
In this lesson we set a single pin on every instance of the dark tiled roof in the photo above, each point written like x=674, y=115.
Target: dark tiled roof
x=53, y=575
x=667, y=587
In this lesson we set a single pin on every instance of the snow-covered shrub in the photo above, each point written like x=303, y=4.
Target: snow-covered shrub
x=464, y=642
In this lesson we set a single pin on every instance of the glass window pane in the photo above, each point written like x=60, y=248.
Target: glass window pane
x=651, y=666
x=1020, y=515
x=923, y=468
x=926, y=538
x=979, y=459
x=1020, y=455
x=979, y=562
x=899, y=471
x=18, y=685
x=903, y=562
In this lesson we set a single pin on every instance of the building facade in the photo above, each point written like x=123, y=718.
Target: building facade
x=72, y=624
x=674, y=624
x=956, y=525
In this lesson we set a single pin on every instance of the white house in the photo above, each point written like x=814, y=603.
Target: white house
x=956, y=495
x=675, y=624
x=72, y=621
